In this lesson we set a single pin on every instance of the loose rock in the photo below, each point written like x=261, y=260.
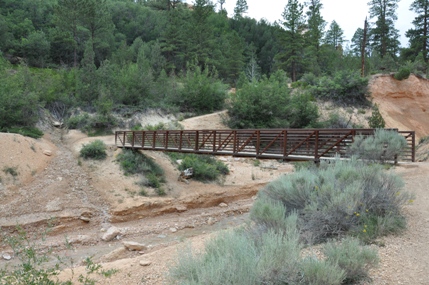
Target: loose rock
x=181, y=208
x=223, y=205
x=6, y=256
x=132, y=245
x=111, y=233
x=145, y=262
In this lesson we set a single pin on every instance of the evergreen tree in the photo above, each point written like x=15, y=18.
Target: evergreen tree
x=67, y=18
x=87, y=84
x=221, y=3
x=384, y=36
x=291, y=56
x=316, y=23
x=96, y=18
x=200, y=38
x=334, y=36
x=419, y=36
x=240, y=9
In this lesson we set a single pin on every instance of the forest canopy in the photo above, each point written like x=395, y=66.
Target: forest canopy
x=110, y=55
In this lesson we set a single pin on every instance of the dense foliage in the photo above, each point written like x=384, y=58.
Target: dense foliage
x=107, y=56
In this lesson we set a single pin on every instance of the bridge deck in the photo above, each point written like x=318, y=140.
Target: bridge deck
x=285, y=144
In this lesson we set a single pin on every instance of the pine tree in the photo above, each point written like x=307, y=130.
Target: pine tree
x=96, y=18
x=290, y=57
x=240, y=9
x=334, y=36
x=87, y=84
x=316, y=23
x=419, y=36
x=384, y=36
x=67, y=18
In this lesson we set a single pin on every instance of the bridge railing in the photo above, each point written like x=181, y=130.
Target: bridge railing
x=286, y=144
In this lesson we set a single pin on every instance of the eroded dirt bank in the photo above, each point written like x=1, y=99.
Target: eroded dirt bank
x=403, y=104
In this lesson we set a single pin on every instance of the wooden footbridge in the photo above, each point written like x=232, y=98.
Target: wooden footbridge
x=284, y=144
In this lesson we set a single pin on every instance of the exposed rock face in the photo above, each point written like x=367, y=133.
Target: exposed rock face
x=403, y=104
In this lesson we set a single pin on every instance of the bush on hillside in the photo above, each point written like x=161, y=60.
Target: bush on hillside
x=31, y=132
x=202, y=91
x=383, y=146
x=206, y=168
x=94, y=150
x=335, y=199
x=403, y=73
x=18, y=105
x=343, y=87
x=376, y=121
x=268, y=104
x=134, y=162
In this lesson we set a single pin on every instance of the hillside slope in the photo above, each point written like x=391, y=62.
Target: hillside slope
x=403, y=104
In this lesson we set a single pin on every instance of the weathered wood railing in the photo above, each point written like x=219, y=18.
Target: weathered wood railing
x=285, y=144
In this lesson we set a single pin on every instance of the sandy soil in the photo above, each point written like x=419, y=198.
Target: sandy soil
x=86, y=198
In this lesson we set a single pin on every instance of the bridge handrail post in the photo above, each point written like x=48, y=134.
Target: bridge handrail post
x=154, y=139
x=413, y=146
x=284, y=143
x=258, y=142
x=134, y=139
x=316, y=147
x=197, y=138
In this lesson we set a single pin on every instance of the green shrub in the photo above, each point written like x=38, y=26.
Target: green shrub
x=344, y=87
x=202, y=91
x=206, y=168
x=376, y=121
x=134, y=162
x=403, y=73
x=263, y=104
x=11, y=170
x=94, y=150
x=269, y=213
x=80, y=121
x=304, y=112
x=336, y=121
x=255, y=255
x=336, y=198
x=93, y=125
x=383, y=146
x=316, y=272
x=352, y=257
x=31, y=132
